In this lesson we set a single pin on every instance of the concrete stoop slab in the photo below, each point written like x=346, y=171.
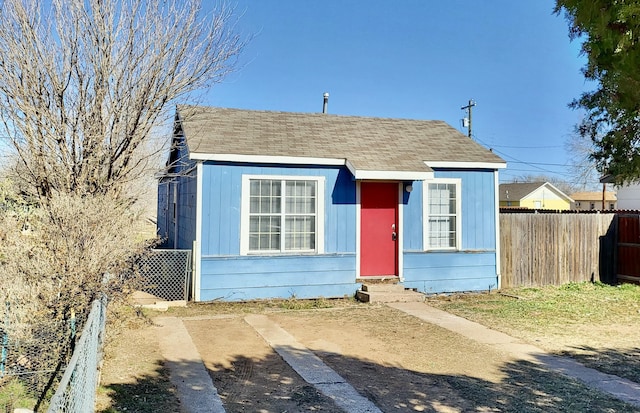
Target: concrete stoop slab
x=404, y=296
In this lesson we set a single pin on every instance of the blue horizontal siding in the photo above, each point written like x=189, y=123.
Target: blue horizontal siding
x=180, y=232
x=162, y=219
x=478, y=207
x=453, y=286
x=477, y=204
x=221, y=205
x=187, y=192
x=417, y=260
x=436, y=272
x=412, y=217
x=298, y=291
x=259, y=277
x=227, y=275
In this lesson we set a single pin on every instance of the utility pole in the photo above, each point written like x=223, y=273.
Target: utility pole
x=467, y=120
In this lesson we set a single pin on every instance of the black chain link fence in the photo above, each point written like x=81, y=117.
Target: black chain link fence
x=33, y=357
x=43, y=358
x=166, y=274
x=76, y=391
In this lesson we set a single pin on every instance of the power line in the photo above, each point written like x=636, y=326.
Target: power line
x=527, y=147
x=531, y=164
x=523, y=162
x=510, y=173
x=518, y=146
x=523, y=172
x=545, y=164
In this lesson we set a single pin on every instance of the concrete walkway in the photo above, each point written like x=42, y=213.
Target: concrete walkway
x=196, y=391
x=620, y=388
x=310, y=367
x=198, y=394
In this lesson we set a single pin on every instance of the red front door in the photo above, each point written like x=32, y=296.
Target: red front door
x=378, y=229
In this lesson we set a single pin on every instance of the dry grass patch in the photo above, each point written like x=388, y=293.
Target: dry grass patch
x=134, y=377
x=260, y=306
x=592, y=322
x=399, y=362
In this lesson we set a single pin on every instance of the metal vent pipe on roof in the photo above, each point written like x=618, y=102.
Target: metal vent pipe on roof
x=326, y=102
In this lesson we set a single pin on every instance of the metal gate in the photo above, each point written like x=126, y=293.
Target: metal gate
x=167, y=274
x=628, y=254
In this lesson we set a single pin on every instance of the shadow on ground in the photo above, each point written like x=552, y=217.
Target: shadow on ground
x=150, y=393
x=252, y=384
x=621, y=362
x=525, y=387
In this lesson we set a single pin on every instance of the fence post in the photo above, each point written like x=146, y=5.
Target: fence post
x=608, y=245
x=72, y=325
x=616, y=241
x=5, y=340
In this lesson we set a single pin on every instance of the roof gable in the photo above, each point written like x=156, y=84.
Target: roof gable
x=520, y=190
x=366, y=145
x=517, y=190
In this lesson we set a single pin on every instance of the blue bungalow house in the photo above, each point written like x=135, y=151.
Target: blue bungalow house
x=277, y=204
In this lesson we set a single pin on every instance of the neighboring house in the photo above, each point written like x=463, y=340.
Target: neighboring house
x=533, y=195
x=592, y=201
x=629, y=197
x=278, y=204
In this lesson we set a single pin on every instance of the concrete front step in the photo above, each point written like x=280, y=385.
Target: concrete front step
x=387, y=288
x=404, y=296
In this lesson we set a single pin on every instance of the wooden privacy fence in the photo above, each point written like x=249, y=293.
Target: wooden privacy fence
x=628, y=251
x=554, y=249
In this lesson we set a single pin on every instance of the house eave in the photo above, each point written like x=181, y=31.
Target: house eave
x=268, y=159
x=380, y=175
x=358, y=174
x=393, y=175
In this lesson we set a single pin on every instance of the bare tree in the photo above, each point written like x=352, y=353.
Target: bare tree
x=83, y=83
x=584, y=173
x=66, y=250
x=51, y=270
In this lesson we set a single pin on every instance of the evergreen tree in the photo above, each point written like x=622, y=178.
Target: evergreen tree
x=610, y=32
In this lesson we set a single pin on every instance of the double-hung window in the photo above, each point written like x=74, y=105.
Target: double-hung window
x=442, y=214
x=282, y=214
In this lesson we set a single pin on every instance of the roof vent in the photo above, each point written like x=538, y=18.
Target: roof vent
x=326, y=102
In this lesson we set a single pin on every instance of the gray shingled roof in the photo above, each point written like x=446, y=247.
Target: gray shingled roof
x=518, y=190
x=369, y=144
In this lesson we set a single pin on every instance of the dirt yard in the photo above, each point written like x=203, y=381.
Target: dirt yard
x=133, y=377
x=398, y=362
x=372, y=348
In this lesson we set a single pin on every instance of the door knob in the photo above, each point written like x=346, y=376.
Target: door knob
x=394, y=236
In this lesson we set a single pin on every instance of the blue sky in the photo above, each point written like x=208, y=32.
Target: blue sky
x=419, y=59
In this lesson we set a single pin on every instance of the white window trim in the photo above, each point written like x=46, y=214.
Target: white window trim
x=244, y=217
x=425, y=213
